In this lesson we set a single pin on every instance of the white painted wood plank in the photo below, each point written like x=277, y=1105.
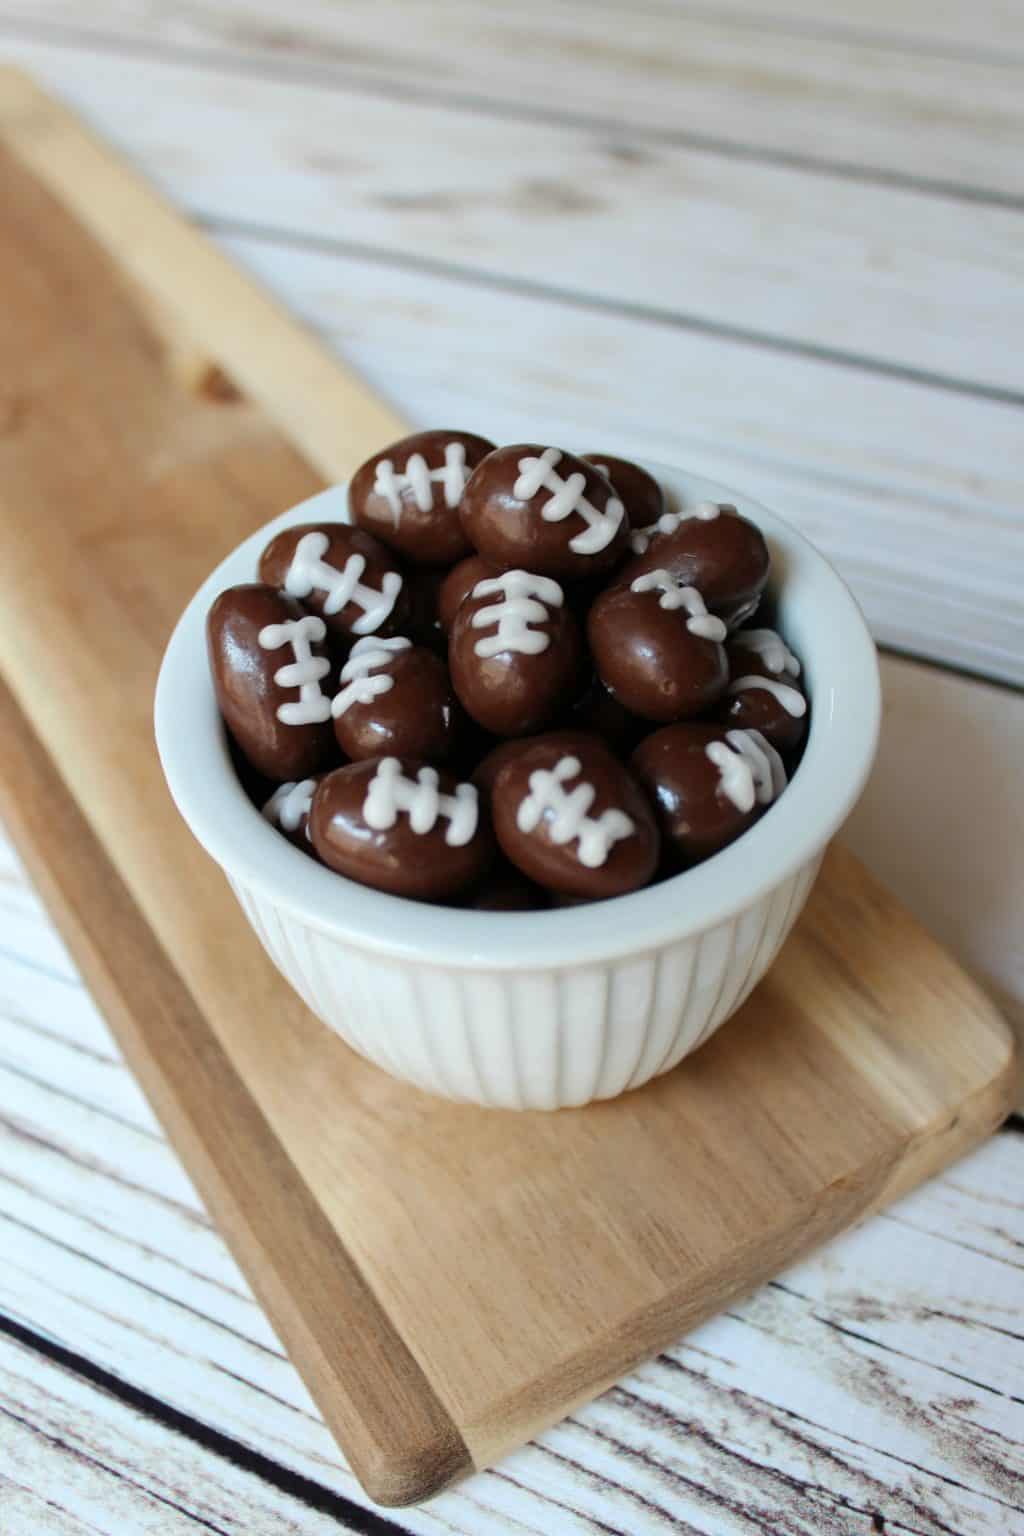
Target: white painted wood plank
x=70, y=1301
x=991, y=26
x=104, y=1466
x=774, y=1365
x=869, y=271
x=25, y=1511
x=914, y=492
x=759, y=88
x=873, y=1380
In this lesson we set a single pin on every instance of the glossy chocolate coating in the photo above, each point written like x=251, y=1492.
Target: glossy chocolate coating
x=757, y=709
x=243, y=674
x=630, y=862
x=648, y=658
x=491, y=764
x=638, y=490
x=725, y=558
x=458, y=583
x=513, y=693
x=695, y=817
x=511, y=532
x=342, y=543
x=417, y=715
x=427, y=535
x=422, y=865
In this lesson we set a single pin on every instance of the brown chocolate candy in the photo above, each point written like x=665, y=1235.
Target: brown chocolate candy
x=710, y=547
x=635, y=487
x=708, y=784
x=341, y=573
x=491, y=764
x=765, y=692
x=287, y=809
x=513, y=653
x=408, y=495
x=395, y=700
x=657, y=649
x=544, y=510
x=401, y=826
x=571, y=817
x=458, y=583
x=269, y=669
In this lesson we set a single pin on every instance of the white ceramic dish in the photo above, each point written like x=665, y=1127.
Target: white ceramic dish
x=536, y=1010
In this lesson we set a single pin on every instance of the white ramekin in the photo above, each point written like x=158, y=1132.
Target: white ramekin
x=529, y=1010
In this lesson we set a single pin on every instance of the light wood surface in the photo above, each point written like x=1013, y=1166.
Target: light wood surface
x=459, y=1339
x=876, y=1385
x=850, y=356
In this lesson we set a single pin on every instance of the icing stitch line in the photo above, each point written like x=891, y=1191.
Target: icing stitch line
x=391, y=793
x=570, y=821
x=751, y=771
x=420, y=480
x=770, y=648
x=668, y=522
x=289, y=804
x=791, y=699
x=567, y=496
x=524, y=599
x=364, y=658
x=675, y=595
x=310, y=570
x=304, y=673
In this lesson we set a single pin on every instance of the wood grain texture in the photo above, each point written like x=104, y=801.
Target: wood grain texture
x=879, y=275
x=876, y=1117
x=914, y=491
x=931, y=542
x=108, y=1471
x=830, y=1397
x=399, y=1440
x=829, y=98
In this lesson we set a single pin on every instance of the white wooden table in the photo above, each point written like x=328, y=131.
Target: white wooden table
x=781, y=243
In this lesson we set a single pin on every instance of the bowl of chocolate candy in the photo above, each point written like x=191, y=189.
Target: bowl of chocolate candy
x=520, y=762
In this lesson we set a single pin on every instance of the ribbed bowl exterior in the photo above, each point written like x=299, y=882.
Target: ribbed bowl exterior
x=541, y=1039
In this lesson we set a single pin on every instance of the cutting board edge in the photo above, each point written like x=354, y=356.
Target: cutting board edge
x=967, y=1124
x=51, y=142
x=433, y=1462
x=433, y=1454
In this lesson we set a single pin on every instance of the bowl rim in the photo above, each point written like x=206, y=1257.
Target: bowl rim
x=842, y=671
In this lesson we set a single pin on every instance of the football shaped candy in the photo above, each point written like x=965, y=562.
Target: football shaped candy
x=639, y=492
x=514, y=652
x=765, y=692
x=401, y=826
x=708, y=784
x=544, y=510
x=269, y=669
x=657, y=648
x=408, y=495
x=572, y=818
x=711, y=547
x=288, y=811
x=340, y=573
x=395, y=700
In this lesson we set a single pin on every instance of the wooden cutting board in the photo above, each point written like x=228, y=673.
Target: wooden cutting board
x=447, y=1280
